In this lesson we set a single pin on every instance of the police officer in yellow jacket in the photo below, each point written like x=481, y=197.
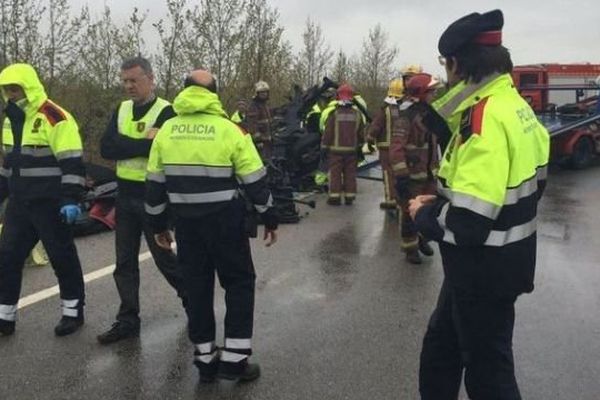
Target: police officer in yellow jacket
x=127, y=140
x=43, y=177
x=198, y=163
x=491, y=178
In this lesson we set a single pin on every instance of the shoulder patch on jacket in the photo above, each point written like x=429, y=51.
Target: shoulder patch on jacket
x=53, y=113
x=472, y=120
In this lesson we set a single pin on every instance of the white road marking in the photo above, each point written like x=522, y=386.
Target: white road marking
x=92, y=276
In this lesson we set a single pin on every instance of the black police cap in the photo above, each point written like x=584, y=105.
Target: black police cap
x=479, y=28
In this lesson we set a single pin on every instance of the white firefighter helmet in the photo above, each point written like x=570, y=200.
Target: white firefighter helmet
x=261, y=86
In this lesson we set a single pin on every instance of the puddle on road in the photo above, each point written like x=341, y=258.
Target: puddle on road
x=336, y=257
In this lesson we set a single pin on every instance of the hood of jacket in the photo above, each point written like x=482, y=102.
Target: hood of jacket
x=25, y=76
x=196, y=99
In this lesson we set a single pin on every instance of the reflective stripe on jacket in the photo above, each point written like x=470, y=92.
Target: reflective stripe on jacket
x=199, y=159
x=343, y=130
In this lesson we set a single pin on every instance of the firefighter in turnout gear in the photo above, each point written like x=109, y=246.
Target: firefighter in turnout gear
x=414, y=159
x=491, y=177
x=199, y=162
x=342, y=137
x=380, y=134
x=127, y=140
x=258, y=120
x=43, y=177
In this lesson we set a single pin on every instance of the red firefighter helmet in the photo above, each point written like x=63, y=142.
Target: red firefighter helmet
x=420, y=85
x=345, y=92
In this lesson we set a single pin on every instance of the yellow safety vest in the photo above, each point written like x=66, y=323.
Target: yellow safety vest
x=134, y=169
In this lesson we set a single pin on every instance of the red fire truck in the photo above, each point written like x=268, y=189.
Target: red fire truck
x=566, y=98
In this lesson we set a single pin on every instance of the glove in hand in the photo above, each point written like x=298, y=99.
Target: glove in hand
x=69, y=213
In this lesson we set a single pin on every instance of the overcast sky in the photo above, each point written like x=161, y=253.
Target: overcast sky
x=534, y=30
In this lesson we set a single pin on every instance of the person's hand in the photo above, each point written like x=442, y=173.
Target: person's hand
x=151, y=134
x=164, y=240
x=426, y=198
x=69, y=213
x=270, y=236
x=415, y=204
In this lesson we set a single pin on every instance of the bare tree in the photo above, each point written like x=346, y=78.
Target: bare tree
x=99, y=50
x=19, y=35
x=171, y=32
x=219, y=29
x=60, y=45
x=377, y=58
x=315, y=56
x=373, y=69
x=131, y=41
x=342, y=68
x=264, y=54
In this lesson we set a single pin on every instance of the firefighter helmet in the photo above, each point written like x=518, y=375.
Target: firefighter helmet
x=411, y=69
x=420, y=85
x=345, y=92
x=396, y=88
x=261, y=86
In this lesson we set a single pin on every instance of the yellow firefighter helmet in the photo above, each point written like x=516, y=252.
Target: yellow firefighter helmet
x=396, y=88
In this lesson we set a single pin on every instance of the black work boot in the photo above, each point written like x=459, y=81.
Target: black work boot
x=241, y=371
x=334, y=201
x=413, y=257
x=119, y=331
x=7, y=328
x=208, y=372
x=68, y=325
x=424, y=247
x=348, y=201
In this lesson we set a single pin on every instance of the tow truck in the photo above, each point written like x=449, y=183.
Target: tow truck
x=573, y=126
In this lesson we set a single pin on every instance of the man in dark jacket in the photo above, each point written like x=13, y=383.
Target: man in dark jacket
x=127, y=140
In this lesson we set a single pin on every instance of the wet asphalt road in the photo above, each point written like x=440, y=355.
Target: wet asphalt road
x=339, y=315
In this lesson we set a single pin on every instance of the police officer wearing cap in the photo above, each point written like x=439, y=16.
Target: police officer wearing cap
x=491, y=178
x=199, y=162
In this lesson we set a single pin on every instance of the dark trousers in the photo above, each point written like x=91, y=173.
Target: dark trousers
x=471, y=333
x=130, y=224
x=342, y=175
x=26, y=222
x=408, y=229
x=217, y=242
